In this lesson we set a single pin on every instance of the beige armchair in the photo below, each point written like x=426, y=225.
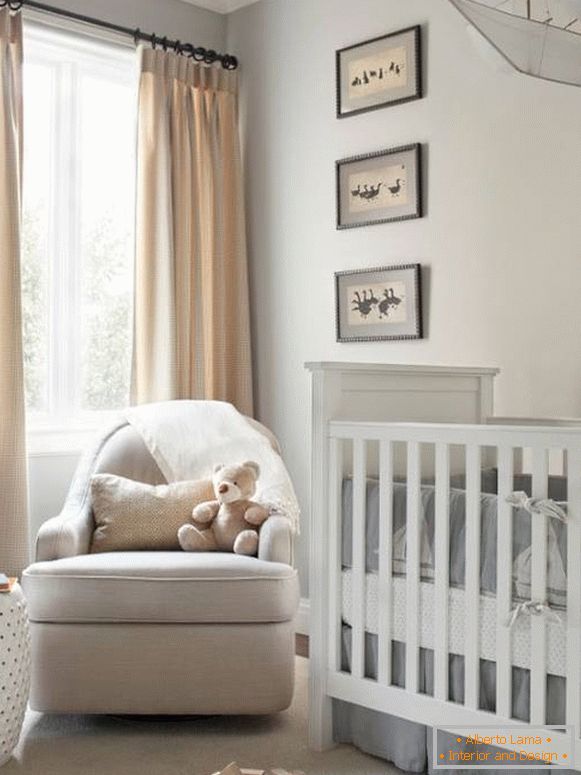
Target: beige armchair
x=156, y=632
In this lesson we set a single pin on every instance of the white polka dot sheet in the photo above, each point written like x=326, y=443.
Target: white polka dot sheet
x=520, y=631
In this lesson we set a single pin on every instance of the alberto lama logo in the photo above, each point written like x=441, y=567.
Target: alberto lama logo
x=490, y=747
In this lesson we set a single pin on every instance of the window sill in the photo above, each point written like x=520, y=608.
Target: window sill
x=49, y=437
x=56, y=442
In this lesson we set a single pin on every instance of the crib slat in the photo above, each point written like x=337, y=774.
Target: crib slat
x=358, y=563
x=442, y=551
x=413, y=535
x=472, y=583
x=504, y=584
x=335, y=535
x=385, y=560
x=564, y=464
x=539, y=591
x=573, y=708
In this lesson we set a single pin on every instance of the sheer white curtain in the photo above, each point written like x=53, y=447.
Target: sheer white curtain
x=13, y=491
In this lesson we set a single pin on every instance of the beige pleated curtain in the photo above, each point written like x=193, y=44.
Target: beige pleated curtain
x=13, y=491
x=191, y=319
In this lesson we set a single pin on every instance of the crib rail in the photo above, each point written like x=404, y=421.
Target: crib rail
x=349, y=445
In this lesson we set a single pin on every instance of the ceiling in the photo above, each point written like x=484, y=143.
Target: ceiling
x=221, y=6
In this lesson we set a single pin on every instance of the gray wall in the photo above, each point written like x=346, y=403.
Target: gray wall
x=173, y=18
x=501, y=242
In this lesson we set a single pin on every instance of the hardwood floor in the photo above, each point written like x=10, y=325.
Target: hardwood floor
x=302, y=645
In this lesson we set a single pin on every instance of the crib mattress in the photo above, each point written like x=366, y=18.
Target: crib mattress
x=521, y=635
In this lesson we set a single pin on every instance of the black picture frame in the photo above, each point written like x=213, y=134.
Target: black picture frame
x=412, y=328
x=415, y=57
x=415, y=210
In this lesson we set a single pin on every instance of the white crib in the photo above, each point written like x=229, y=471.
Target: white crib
x=430, y=422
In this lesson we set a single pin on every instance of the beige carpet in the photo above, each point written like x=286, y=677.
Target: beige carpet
x=79, y=745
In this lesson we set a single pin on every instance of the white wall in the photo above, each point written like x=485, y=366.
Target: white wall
x=501, y=241
x=50, y=473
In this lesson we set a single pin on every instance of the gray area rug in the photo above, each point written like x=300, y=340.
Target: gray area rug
x=95, y=745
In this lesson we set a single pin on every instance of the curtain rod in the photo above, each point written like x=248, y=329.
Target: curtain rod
x=199, y=53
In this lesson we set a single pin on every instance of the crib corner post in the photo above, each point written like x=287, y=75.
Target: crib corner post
x=320, y=704
x=324, y=399
x=320, y=718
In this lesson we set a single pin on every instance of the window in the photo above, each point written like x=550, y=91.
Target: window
x=78, y=221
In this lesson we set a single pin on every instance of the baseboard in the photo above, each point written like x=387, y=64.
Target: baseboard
x=303, y=617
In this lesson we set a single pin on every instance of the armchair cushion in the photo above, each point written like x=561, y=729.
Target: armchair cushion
x=134, y=516
x=158, y=587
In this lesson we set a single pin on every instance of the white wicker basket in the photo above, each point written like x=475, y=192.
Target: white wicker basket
x=14, y=669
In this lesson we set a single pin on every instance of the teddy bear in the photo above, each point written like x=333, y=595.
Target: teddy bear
x=232, y=521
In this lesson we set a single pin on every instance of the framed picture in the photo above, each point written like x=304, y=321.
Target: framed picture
x=382, y=303
x=379, y=72
x=379, y=187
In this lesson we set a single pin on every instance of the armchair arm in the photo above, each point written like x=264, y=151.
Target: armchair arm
x=66, y=535
x=70, y=533
x=276, y=541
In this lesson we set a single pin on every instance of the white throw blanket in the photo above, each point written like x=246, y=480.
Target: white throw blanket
x=188, y=438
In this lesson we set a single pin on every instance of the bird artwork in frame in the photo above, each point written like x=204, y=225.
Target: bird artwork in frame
x=379, y=187
x=376, y=73
x=381, y=303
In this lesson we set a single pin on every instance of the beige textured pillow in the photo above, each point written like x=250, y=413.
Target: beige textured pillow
x=132, y=516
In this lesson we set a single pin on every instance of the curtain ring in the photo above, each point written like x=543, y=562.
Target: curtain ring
x=187, y=50
x=178, y=47
x=199, y=54
x=153, y=40
x=137, y=36
x=210, y=56
x=164, y=43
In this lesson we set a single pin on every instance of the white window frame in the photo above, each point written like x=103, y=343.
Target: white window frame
x=58, y=428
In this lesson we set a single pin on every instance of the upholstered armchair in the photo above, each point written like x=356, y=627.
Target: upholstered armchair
x=156, y=632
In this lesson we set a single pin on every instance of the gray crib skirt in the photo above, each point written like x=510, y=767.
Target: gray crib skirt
x=409, y=745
